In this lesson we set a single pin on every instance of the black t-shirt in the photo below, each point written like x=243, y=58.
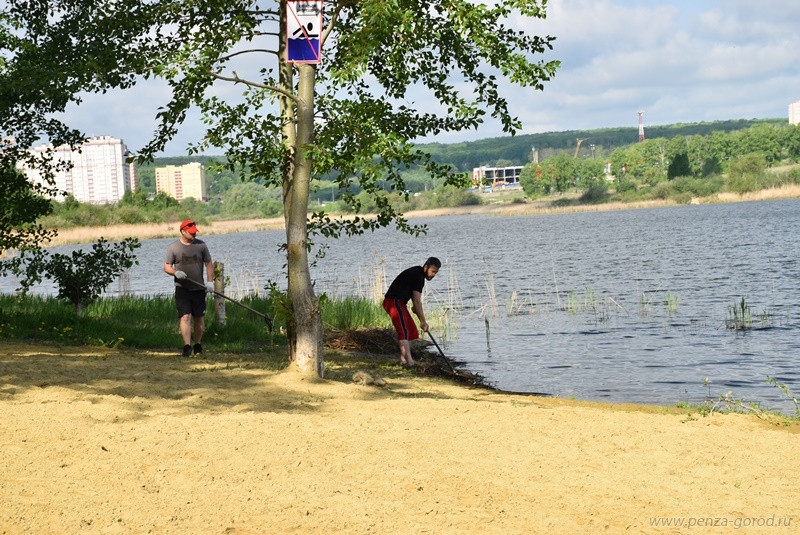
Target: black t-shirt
x=407, y=282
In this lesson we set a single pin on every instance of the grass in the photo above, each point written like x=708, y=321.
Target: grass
x=152, y=322
x=728, y=403
x=350, y=313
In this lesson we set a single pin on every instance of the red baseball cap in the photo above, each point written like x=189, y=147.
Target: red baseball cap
x=188, y=224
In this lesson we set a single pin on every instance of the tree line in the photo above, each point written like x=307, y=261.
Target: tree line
x=735, y=161
x=518, y=150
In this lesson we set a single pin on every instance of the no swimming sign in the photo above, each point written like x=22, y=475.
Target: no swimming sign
x=304, y=24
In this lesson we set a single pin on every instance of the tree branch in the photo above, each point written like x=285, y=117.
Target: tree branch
x=235, y=79
x=331, y=23
x=234, y=54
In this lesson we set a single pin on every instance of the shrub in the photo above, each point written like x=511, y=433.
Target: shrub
x=596, y=193
x=130, y=215
x=81, y=277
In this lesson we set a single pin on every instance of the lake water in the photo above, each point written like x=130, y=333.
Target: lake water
x=622, y=306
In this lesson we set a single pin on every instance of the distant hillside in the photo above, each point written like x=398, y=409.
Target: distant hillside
x=517, y=149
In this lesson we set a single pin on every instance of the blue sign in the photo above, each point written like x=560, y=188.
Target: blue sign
x=304, y=24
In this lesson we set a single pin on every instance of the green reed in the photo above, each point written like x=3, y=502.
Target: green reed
x=349, y=313
x=740, y=317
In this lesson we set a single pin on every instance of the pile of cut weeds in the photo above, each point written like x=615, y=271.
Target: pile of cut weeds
x=383, y=342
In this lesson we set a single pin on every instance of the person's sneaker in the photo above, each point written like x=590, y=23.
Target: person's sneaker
x=198, y=348
x=187, y=350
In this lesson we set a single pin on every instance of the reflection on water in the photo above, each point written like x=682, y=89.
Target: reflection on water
x=624, y=306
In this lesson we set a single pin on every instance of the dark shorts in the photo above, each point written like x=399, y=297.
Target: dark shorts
x=190, y=302
x=401, y=319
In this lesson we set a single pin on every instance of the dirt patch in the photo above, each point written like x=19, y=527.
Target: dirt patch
x=107, y=441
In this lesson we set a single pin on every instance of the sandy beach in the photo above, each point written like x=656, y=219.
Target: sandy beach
x=108, y=441
x=111, y=441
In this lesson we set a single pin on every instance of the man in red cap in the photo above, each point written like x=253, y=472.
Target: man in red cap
x=186, y=258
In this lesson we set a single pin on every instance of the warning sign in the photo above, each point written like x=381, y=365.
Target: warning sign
x=304, y=25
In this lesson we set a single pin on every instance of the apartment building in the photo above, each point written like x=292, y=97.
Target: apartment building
x=99, y=173
x=182, y=182
x=794, y=112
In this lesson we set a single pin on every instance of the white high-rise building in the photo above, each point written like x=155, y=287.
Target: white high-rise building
x=794, y=112
x=99, y=173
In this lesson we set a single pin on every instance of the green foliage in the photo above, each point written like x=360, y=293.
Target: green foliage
x=624, y=184
x=134, y=322
x=350, y=313
x=679, y=166
x=80, y=277
x=468, y=155
x=150, y=322
x=746, y=173
x=595, y=194
x=245, y=199
x=741, y=317
x=448, y=196
x=21, y=205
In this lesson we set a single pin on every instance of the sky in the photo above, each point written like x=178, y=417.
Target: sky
x=678, y=61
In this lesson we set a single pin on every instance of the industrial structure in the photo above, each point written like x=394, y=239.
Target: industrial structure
x=99, y=172
x=182, y=182
x=496, y=176
x=641, y=126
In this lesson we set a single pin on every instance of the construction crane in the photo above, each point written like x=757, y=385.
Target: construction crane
x=578, y=147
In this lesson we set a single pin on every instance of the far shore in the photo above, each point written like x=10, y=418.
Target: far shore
x=167, y=230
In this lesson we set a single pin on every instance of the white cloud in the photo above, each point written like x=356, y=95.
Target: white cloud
x=679, y=60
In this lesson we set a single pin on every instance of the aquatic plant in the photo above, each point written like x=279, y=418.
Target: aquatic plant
x=774, y=382
x=645, y=304
x=671, y=302
x=740, y=317
x=577, y=303
x=517, y=307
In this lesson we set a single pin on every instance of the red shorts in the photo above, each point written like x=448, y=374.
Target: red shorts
x=401, y=318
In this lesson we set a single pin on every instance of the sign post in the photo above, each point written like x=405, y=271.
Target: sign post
x=304, y=25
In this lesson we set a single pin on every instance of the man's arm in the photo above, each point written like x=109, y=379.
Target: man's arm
x=416, y=307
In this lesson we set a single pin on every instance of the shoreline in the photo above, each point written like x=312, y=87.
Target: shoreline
x=147, y=231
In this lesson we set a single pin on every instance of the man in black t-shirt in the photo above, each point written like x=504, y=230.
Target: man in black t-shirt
x=408, y=286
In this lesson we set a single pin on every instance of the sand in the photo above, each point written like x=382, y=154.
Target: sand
x=116, y=441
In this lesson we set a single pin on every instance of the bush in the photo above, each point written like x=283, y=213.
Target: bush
x=81, y=277
x=663, y=190
x=682, y=198
x=625, y=184
x=597, y=193
x=130, y=215
x=742, y=184
x=271, y=208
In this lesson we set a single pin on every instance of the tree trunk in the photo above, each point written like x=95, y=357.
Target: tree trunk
x=305, y=327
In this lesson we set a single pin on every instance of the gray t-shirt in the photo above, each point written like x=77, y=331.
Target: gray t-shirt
x=190, y=259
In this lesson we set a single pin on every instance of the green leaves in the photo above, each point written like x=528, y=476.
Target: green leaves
x=80, y=277
x=21, y=204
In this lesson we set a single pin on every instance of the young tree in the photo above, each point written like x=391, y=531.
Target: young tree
x=353, y=115
x=82, y=276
